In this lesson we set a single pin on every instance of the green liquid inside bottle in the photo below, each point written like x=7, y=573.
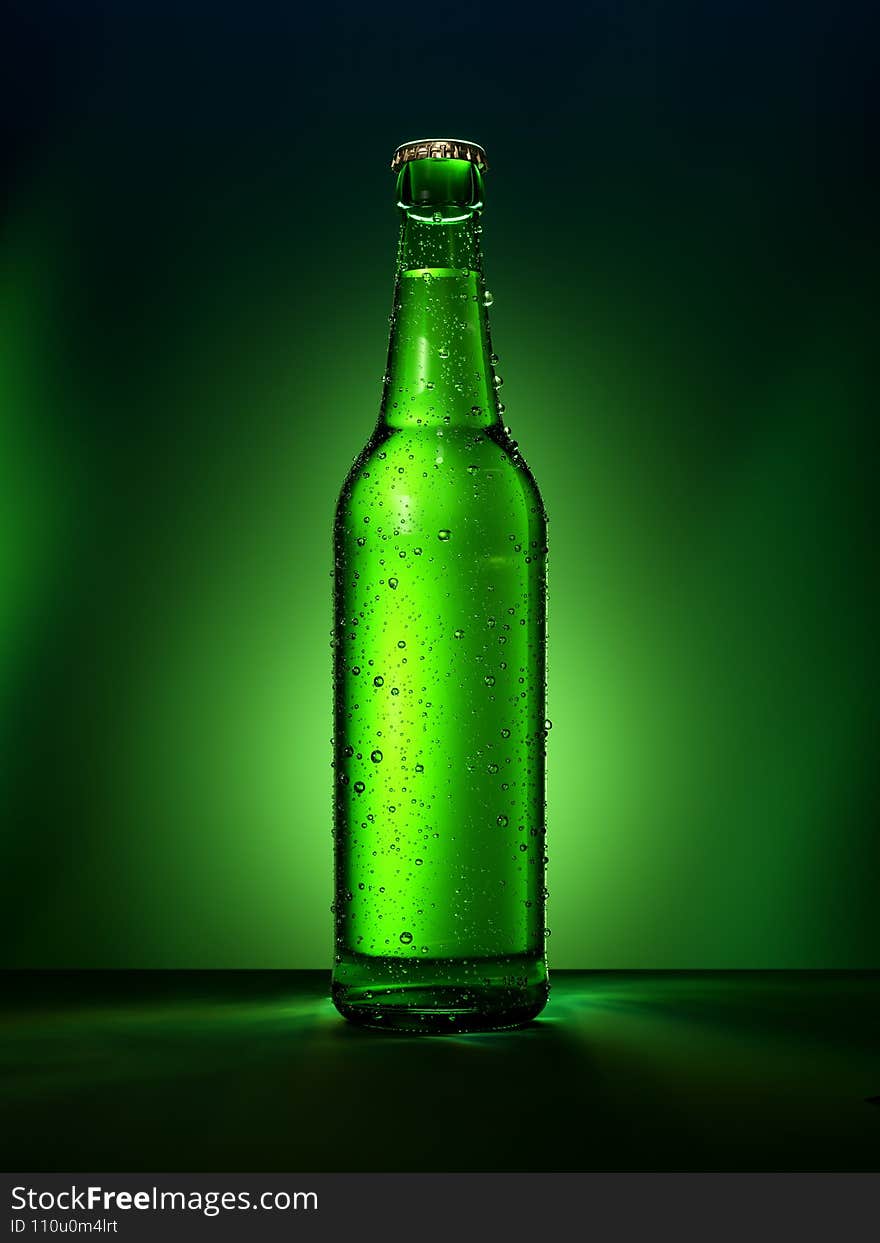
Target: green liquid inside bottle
x=439, y=659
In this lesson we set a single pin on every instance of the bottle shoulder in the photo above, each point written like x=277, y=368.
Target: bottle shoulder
x=479, y=465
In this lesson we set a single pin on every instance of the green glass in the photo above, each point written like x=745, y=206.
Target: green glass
x=439, y=659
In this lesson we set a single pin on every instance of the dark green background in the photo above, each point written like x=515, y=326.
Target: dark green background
x=196, y=264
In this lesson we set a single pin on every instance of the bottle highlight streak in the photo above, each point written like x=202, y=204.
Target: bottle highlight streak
x=439, y=654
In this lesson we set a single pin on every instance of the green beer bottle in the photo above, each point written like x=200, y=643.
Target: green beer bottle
x=439, y=653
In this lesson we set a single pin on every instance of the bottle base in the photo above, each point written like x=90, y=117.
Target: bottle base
x=440, y=995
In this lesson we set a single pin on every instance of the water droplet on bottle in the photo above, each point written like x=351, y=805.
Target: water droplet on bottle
x=487, y=298
x=443, y=352
x=497, y=380
x=548, y=724
x=472, y=469
x=476, y=411
x=376, y=757
x=458, y=634
x=401, y=643
x=378, y=681
x=419, y=862
x=361, y=541
x=444, y=535
x=406, y=938
x=417, y=552
x=505, y=733
x=359, y=787
x=420, y=768
x=429, y=384
x=489, y=680
x=502, y=822
x=392, y=583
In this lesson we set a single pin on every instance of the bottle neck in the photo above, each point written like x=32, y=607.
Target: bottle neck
x=440, y=369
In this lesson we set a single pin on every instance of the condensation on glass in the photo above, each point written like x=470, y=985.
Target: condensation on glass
x=439, y=653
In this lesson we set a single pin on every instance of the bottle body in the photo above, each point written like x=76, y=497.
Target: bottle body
x=439, y=674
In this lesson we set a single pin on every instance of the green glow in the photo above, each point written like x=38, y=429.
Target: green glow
x=174, y=417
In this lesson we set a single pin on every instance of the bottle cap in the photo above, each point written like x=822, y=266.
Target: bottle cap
x=440, y=149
